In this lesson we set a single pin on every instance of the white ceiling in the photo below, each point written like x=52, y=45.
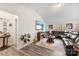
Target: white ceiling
x=34, y=6
x=50, y=13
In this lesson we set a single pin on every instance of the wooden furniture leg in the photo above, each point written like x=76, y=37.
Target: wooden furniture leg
x=4, y=42
x=7, y=41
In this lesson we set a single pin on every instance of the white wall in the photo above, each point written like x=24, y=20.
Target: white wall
x=78, y=11
x=26, y=21
x=65, y=13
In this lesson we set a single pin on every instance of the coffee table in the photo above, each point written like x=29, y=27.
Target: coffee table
x=50, y=39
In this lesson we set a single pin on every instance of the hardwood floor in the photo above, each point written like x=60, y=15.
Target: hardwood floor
x=44, y=49
x=11, y=51
x=57, y=47
x=30, y=50
x=36, y=50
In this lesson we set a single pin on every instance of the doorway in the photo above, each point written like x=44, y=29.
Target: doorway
x=8, y=23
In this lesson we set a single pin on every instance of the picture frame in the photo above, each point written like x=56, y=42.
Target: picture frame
x=69, y=26
x=50, y=26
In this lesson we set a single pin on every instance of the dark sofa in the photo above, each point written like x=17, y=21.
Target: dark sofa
x=68, y=39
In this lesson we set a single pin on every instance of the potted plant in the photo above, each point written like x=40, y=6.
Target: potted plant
x=25, y=38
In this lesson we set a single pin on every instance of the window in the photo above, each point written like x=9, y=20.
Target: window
x=39, y=25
